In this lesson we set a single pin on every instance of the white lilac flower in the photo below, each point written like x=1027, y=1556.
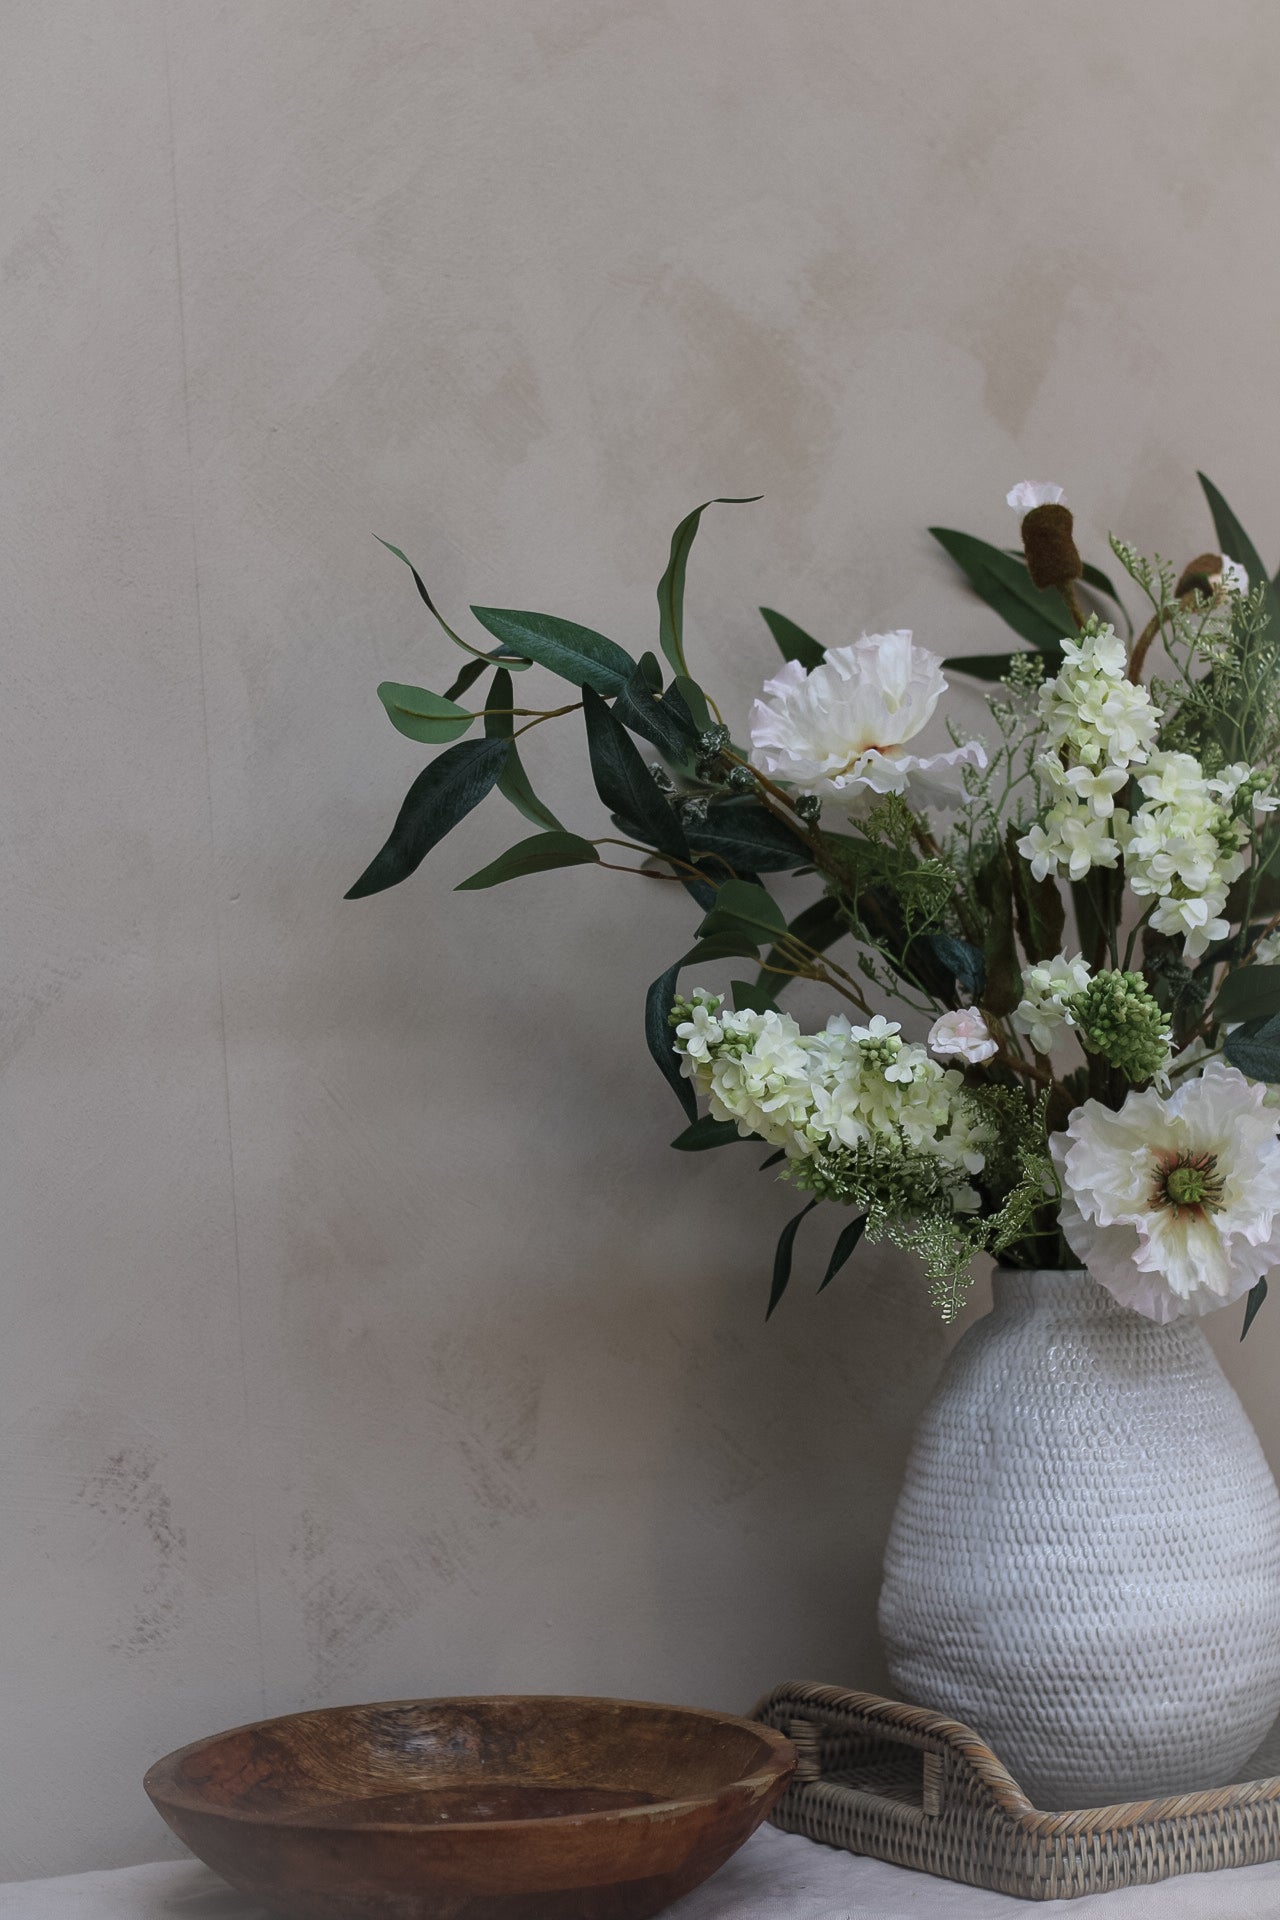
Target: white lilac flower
x=1043, y=1013
x=1072, y=839
x=1094, y=787
x=1093, y=714
x=759, y=1075
x=1034, y=493
x=1185, y=845
x=840, y=730
x=1174, y=1204
x=700, y=1033
x=964, y=1033
x=1243, y=789
x=1267, y=952
x=849, y=1086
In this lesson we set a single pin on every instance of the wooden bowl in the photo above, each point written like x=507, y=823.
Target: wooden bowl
x=520, y=1808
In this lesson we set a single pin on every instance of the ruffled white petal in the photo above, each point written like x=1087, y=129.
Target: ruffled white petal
x=1034, y=493
x=839, y=730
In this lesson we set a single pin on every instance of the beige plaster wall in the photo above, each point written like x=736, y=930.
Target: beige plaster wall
x=361, y=1336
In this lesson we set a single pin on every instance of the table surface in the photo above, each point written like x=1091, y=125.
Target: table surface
x=777, y=1876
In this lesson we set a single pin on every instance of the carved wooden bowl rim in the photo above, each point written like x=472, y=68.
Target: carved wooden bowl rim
x=165, y=1785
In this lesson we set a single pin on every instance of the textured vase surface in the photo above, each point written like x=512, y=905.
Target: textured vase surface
x=1084, y=1565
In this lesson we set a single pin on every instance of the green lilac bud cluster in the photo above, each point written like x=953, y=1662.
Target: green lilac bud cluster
x=1118, y=1018
x=881, y=1050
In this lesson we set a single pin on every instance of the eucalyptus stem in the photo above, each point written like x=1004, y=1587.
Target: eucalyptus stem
x=552, y=713
x=653, y=853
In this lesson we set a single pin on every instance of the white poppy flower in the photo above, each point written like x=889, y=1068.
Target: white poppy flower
x=965, y=1033
x=1174, y=1204
x=840, y=730
x=1034, y=493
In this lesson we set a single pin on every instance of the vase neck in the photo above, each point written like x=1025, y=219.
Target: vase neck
x=1015, y=1290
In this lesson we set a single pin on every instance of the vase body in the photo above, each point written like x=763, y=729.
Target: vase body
x=1084, y=1565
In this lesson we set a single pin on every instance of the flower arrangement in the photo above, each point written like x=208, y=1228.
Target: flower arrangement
x=1097, y=1096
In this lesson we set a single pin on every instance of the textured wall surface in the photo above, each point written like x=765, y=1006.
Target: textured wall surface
x=361, y=1336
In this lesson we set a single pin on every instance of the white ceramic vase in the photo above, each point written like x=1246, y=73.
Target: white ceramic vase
x=1084, y=1565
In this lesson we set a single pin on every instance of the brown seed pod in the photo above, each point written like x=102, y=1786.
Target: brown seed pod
x=1203, y=573
x=1047, y=540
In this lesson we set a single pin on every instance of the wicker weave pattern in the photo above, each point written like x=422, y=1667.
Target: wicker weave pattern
x=913, y=1787
x=1085, y=1559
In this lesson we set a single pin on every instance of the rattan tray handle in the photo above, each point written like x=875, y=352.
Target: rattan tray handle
x=919, y=1789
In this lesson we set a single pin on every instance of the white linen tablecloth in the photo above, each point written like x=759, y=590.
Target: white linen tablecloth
x=777, y=1876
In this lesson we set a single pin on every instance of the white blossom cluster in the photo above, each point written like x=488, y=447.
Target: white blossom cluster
x=1184, y=845
x=1044, y=1012
x=1098, y=725
x=848, y=1086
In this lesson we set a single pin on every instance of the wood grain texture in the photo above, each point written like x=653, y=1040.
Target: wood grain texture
x=487, y=1809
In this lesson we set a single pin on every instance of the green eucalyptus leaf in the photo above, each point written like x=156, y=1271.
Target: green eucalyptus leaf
x=750, y=998
x=1003, y=988
x=727, y=945
x=695, y=700
x=513, y=784
x=663, y=720
x=577, y=654
x=1236, y=545
x=625, y=783
x=844, y=1246
x=706, y=1132
x=994, y=666
x=467, y=678
x=671, y=585
x=658, y=1003
x=1252, y=993
x=443, y=793
x=1039, y=614
x=651, y=671
x=963, y=961
x=792, y=641
x=742, y=903
x=744, y=835
x=1092, y=576
x=782, y=1258
x=538, y=854
x=818, y=926
x=1255, y=1049
x=1257, y=1292
x=516, y=660
x=424, y=716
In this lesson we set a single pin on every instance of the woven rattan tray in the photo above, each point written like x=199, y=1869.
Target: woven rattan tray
x=910, y=1786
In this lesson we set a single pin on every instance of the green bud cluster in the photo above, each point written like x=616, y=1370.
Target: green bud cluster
x=881, y=1052
x=1118, y=1018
